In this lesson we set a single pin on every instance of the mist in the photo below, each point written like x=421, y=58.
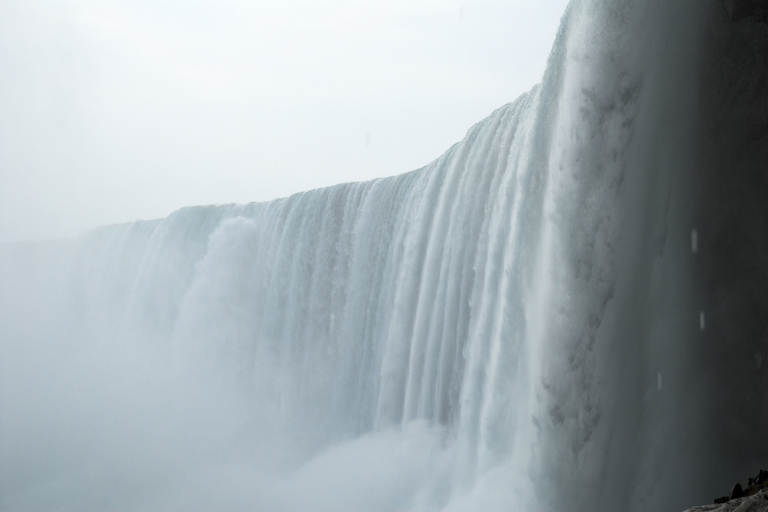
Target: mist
x=564, y=311
x=117, y=111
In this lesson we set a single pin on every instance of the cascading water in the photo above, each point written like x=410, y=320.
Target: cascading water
x=519, y=325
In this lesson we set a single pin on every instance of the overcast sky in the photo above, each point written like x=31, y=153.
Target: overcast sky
x=115, y=110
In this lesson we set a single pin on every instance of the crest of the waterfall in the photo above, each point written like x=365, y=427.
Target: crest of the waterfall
x=513, y=326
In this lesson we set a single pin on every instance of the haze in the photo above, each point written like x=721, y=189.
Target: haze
x=112, y=111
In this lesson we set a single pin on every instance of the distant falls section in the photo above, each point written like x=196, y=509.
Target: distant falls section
x=396, y=307
x=566, y=311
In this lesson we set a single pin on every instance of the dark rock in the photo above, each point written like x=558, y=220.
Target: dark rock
x=741, y=9
x=756, y=484
x=737, y=492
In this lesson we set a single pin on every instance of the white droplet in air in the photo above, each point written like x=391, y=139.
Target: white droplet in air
x=702, y=321
x=694, y=241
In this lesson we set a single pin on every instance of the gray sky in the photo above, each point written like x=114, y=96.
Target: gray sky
x=115, y=110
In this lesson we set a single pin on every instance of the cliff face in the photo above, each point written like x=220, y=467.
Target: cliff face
x=731, y=186
x=740, y=9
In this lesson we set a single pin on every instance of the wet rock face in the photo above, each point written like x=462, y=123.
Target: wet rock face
x=741, y=9
x=732, y=259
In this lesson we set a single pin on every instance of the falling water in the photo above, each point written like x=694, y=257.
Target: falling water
x=515, y=326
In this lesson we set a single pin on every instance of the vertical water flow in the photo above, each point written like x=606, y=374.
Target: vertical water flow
x=509, y=327
x=611, y=310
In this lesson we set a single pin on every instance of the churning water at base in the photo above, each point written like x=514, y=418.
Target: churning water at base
x=516, y=326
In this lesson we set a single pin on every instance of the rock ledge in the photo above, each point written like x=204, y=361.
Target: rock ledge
x=755, y=503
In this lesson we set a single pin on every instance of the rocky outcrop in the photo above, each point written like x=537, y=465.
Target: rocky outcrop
x=755, y=503
x=752, y=499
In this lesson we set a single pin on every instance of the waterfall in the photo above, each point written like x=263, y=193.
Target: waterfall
x=516, y=326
